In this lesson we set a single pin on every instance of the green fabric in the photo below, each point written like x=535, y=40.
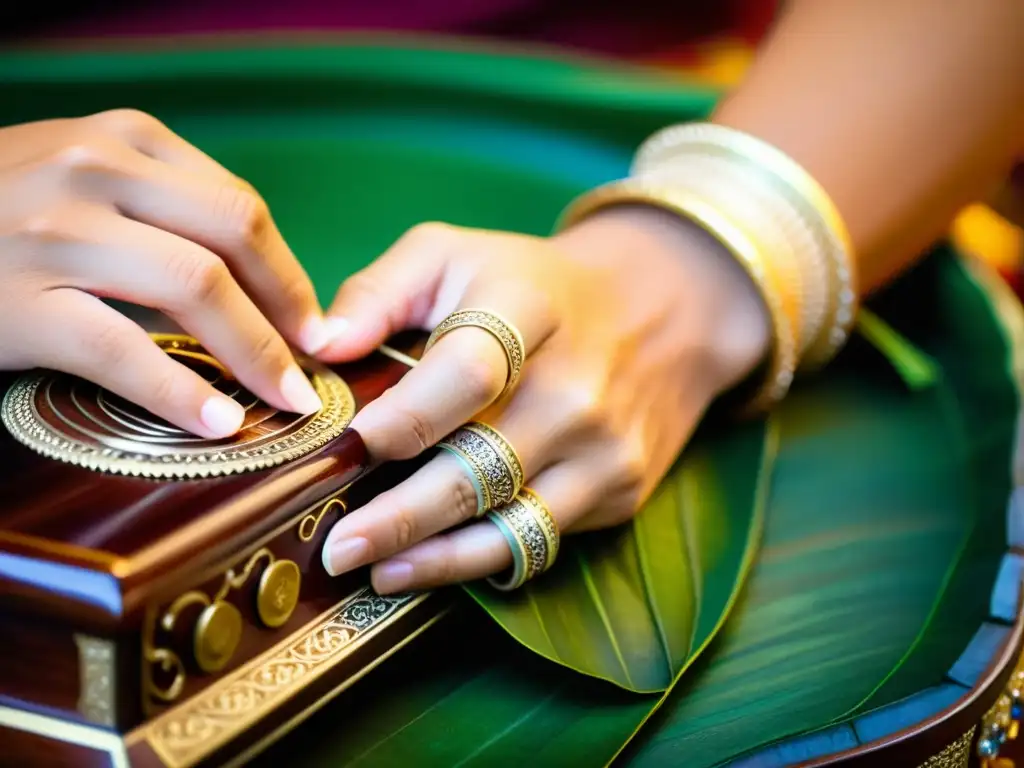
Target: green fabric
x=887, y=476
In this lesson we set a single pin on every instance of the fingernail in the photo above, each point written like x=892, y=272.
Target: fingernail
x=298, y=392
x=342, y=556
x=318, y=333
x=222, y=416
x=395, y=576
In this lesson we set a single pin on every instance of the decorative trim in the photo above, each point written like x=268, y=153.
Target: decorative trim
x=97, y=697
x=235, y=703
x=85, y=427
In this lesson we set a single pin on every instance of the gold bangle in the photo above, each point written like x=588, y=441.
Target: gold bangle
x=740, y=245
x=780, y=235
x=805, y=194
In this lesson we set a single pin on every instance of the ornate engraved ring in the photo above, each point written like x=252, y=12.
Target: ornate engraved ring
x=70, y=420
x=532, y=534
x=508, y=336
x=489, y=460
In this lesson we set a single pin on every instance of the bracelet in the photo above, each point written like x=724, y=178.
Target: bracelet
x=780, y=179
x=782, y=233
x=781, y=298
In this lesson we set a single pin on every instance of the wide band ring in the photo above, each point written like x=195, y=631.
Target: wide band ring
x=508, y=336
x=532, y=534
x=489, y=460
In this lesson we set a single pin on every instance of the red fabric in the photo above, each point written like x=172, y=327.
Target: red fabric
x=632, y=28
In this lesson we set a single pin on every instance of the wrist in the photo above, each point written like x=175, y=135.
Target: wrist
x=735, y=331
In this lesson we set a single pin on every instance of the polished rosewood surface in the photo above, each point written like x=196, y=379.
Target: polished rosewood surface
x=74, y=540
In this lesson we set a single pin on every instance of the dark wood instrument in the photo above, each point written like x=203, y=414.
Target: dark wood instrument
x=173, y=622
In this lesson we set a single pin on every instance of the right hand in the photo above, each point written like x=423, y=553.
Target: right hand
x=116, y=206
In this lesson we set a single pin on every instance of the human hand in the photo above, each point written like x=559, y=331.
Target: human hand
x=116, y=206
x=632, y=322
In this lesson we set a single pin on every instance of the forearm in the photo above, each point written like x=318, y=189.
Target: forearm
x=903, y=110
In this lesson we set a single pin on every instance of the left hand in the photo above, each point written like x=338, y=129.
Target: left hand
x=633, y=322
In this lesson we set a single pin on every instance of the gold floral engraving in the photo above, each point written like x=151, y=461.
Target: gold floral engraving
x=97, y=682
x=205, y=722
x=71, y=420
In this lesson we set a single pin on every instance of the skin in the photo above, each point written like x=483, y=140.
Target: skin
x=904, y=111
x=634, y=322
x=116, y=206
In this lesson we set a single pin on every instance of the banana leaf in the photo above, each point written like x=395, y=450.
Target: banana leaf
x=636, y=604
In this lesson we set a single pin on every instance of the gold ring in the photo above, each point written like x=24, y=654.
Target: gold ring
x=532, y=534
x=491, y=462
x=508, y=336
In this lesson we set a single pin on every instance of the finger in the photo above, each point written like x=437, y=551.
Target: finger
x=151, y=137
x=460, y=376
x=92, y=248
x=398, y=291
x=440, y=495
x=480, y=550
x=78, y=334
x=227, y=217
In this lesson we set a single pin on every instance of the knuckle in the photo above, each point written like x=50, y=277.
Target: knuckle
x=45, y=226
x=430, y=232
x=447, y=568
x=463, y=502
x=267, y=346
x=481, y=382
x=582, y=407
x=163, y=388
x=104, y=346
x=127, y=121
x=201, y=278
x=417, y=429
x=405, y=529
x=245, y=213
x=86, y=155
x=296, y=293
x=630, y=463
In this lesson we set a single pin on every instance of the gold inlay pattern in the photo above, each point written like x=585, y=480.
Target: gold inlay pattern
x=208, y=720
x=74, y=421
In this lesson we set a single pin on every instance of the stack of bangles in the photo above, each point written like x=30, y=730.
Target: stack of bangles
x=768, y=214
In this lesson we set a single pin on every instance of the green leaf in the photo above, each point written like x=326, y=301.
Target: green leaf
x=470, y=696
x=882, y=542
x=635, y=605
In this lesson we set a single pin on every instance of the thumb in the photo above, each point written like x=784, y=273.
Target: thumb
x=396, y=292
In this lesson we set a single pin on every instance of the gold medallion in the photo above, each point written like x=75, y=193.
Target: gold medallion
x=68, y=419
x=278, y=592
x=216, y=636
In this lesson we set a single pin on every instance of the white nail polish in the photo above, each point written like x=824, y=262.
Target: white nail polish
x=298, y=392
x=314, y=335
x=318, y=333
x=222, y=416
x=325, y=558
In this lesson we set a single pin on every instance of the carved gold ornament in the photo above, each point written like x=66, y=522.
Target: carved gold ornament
x=68, y=419
x=278, y=593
